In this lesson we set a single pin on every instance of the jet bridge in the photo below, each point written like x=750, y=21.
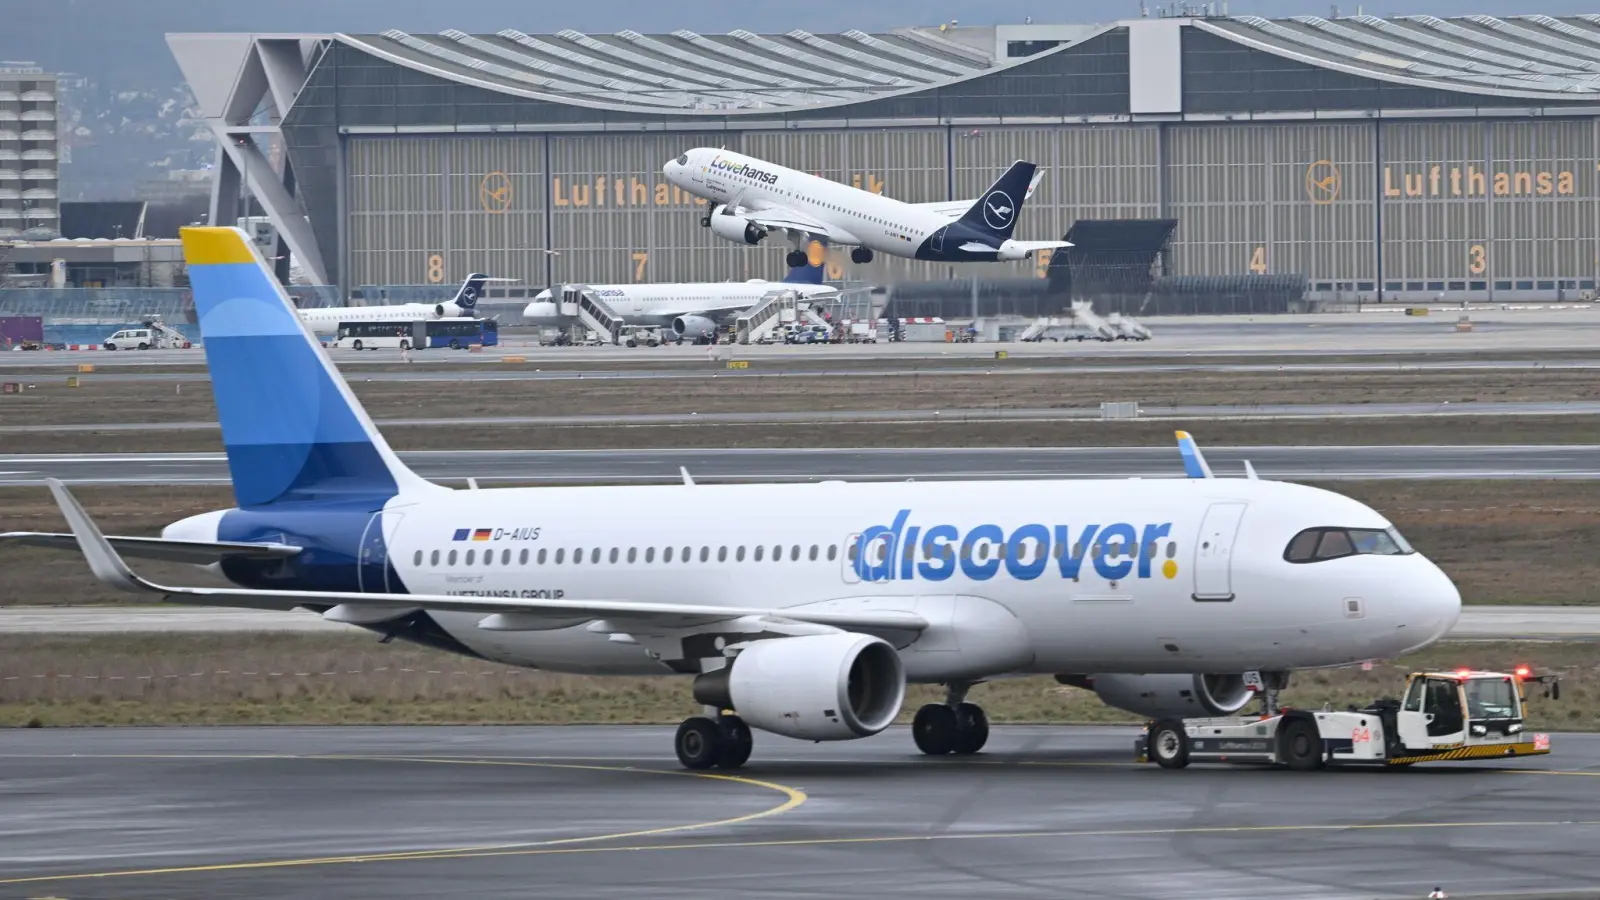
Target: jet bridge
x=758, y=321
x=581, y=301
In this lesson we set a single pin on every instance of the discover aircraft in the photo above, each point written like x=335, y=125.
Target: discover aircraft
x=325, y=321
x=750, y=197
x=689, y=310
x=1163, y=596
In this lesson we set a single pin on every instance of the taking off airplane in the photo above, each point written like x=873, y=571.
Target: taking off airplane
x=1159, y=595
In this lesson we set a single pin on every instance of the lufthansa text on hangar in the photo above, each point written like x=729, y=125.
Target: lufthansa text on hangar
x=1401, y=156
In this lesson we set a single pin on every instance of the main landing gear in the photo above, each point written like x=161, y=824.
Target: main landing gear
x=953, y=726
x=861, y=255
x=704, y=743
x=796, y=259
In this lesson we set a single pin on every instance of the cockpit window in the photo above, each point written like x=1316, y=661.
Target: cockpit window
x=1318, y=544
x=683, y=160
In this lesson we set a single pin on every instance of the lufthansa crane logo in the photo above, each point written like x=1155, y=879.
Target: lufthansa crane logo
x=998, y=210
x=494, y=192
x=1322, y=182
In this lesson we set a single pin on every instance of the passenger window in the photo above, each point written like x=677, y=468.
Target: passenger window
x=452, y=557
x=738, y=554
x=416, y=558
x=722, y=554
x=705, y=554
x=469, y=556
x=850, y=552
x=505, y=556
x=614, y=552
x=813, y=552
x=522, y=558
x=761, y=550
x=633, y=554
x=561, y=553
x=542, y=553
x=488, y=557
x=833, y=552
x=666, y=555
x=649, y=554
x=1334, y=544
x=433, y=558
x=794, y=555
x=594, y=556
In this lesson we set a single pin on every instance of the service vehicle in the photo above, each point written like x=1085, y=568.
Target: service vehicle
x=648, y=335
x=1460, y=715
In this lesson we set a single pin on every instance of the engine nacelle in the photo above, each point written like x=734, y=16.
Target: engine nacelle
x=820, y=687
x=1009, y=251
x=736, y=228
x=450, y=310
x=693, y=326
x=1170, y=696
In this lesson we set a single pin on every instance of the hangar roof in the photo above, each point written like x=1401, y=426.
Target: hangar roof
x=685, y=71
x=1532, y=54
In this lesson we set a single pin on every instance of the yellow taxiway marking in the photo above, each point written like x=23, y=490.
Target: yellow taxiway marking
x=792, y=799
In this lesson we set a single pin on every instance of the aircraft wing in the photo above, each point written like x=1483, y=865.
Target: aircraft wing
x=955, y=209
x=782, y=218
x=975, y=247
x=108, y=566
x=199, y=553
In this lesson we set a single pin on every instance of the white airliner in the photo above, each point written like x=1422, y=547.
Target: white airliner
x=801, y=609
x=325, y=321
x=750, y=197
x=689, y=310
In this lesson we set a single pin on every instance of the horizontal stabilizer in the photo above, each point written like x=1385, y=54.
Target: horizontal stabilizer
x=200, y=553
x=109, y=567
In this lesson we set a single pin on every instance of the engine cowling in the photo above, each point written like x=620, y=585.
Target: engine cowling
x=821, y=687
x=1170, y=696
x=450, y=310
x=736, y=228
x=693, y=326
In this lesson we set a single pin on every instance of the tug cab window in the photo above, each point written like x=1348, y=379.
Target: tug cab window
x=1319, y=544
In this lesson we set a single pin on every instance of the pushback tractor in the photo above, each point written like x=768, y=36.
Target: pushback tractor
x=1443, y=716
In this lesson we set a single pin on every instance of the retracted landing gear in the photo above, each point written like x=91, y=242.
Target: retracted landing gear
x=861, y=255
x=705, y=743
x=953, y=726
x=796, y=259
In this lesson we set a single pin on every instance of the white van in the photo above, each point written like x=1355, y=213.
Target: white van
x=131, y=339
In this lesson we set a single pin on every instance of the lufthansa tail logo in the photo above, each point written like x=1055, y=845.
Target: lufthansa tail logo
x=998, y=210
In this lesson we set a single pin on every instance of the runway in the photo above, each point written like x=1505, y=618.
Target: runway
x=1190, y=413
x=1298, y=463
x=578, y=812
x=1477, y=623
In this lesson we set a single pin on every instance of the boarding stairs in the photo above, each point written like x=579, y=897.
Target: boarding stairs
x=768, y=313
x=166, y=337
x=1128, y=327
x=1098, y=328
x=581, y=301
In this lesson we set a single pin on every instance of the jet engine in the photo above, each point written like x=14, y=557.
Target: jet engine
x=818, y=687
x=449, y=310
x=1168, y=696
x=693, y=326
x=1010, y=251
x=735, y=228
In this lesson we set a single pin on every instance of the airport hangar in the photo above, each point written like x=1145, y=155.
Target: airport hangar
x=1387, y=159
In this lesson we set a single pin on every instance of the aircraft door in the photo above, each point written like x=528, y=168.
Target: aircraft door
x=936, y=243
x=847, y=559
x=372, y=566
x=1213, y=552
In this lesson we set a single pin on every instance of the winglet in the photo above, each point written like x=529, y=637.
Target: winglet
x=1037, y=177
x=1194, y=462
x=1250, y=471
x=687, y=481
x=104, y=560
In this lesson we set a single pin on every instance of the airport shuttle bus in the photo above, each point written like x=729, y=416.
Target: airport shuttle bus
x=455, y=334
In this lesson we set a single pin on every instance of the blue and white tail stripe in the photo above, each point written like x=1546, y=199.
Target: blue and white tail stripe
x=1194, y=462
x=292, y=429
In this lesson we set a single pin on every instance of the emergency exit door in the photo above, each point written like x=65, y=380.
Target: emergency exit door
x=1213, y=552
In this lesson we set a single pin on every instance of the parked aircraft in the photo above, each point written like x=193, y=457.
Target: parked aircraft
x=689, y=309
x=325, y=321
x=751, y=198
x=800, y=609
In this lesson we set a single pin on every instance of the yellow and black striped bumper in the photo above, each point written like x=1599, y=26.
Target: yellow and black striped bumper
x=1483, y=751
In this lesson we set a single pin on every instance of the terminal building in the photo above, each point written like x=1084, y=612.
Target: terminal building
x=1384, y=159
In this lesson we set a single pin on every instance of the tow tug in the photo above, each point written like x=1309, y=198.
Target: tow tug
x=1443, y=716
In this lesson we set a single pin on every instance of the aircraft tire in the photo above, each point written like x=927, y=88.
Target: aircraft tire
x=861, y=255
x=796, y=259
x=699, y=743
x=972, y=725
x=1169, y=744
x=935, y=729
x=736, y=742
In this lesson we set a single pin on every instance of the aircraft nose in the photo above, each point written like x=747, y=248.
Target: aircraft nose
x=1435, y=600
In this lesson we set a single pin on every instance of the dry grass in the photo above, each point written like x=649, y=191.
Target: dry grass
x=347, y=679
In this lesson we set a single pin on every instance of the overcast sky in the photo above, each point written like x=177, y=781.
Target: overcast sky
x=122, y=39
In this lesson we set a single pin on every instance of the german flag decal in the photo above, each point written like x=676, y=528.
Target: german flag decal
x=473, y=534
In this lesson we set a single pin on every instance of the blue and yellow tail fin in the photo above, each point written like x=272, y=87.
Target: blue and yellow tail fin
x=1194, y=462
x=292, y=429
